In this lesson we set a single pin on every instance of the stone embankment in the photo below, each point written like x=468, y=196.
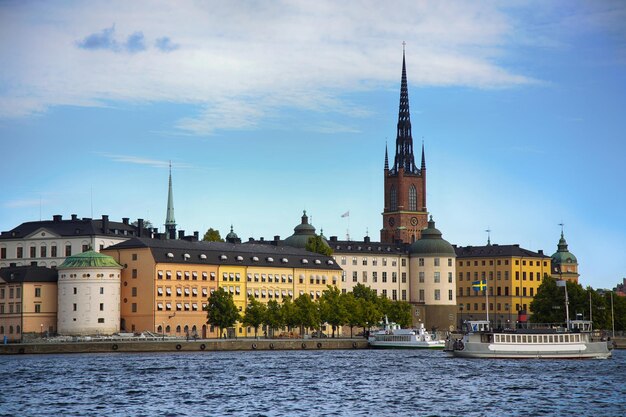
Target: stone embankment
x=207, y=345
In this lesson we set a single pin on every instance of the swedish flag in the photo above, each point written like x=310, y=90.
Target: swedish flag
x=479, y=285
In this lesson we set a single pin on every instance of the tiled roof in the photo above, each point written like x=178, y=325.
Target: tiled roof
x=70, y=227
x=222, y=253
x=18, y=274
x=496, y=251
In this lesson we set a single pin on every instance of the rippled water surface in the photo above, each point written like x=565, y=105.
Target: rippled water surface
x=301, y=383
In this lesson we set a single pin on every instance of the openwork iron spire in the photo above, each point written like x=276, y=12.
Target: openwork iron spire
x=170, y=222
x=404, y=140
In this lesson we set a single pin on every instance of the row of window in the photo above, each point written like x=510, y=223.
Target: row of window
x=75, y=307
x=365, y=261
x=505, y=261
x=43, y=251
x=393, y=196
x=436, y=295
x=483, y=307
x=545, y=338
x=436, y=277
x=364, y=276
x=11, y=329
x=13, y=308
x=179, y=291
x=483, y=274
x=526, y=292
x=179, y=275
x=16, y=292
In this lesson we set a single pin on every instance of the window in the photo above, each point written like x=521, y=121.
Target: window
x=374, y=261
x=101, y=320
x=364, y=276
x=523, y=275
x=85, y=248
x=134, y=292
x=134, y=256
x=461, y=292
x=403, y=262
x=412, y=198
x=384, y=276
x=33, y=252
x=420, y=262
x=437, y=295
x=43, y=251
x=449, y=277
x=385, y=293
x=354, y=261
x=437, y=278
x=394, y=277
x=134, y=307
x=393, y=197
x=394, y=295
x=421, y=276
x=449, y=261
x=75, y=290
x=101, y=306
x=364, y=261
x=384, y=261
x=354, y=276
x=421, y=297
x=38, y=292
x=101, y=290
x=404, y=277
x=75, y=307
x=450, y=295
x=37, y=308
x=20, y=252
x=134, y=273
x=3, y=253
x=374, y=276
x=343, y=260
x=68, y=250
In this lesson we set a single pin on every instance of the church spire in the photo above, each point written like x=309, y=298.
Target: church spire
x=404, y=141
x=386, y=158
x=423, y=157
x=170, y=222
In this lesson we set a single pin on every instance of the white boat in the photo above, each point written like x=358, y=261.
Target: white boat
x=575, y=341
x=393, y=337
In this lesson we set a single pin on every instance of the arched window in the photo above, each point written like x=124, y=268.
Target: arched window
x=393, y=197
x=178, y=329
x=186, y=329
x=10, y=329
x=160, y=329
x=17, y=330
x=412, y=198
x=1, y=329
x=167, y=329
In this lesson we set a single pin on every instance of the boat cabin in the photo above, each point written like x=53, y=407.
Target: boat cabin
x=477, y=326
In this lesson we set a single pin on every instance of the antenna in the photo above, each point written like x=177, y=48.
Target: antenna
x=91, y=200
x=488, y=236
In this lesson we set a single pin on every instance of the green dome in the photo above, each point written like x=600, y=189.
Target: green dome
x=232, y=235
x=431, y=242
x=563, y=255
x=302, y=233
x=89, y=259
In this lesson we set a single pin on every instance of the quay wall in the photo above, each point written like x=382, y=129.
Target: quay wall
x=209, y=345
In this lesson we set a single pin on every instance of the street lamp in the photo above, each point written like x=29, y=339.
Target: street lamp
x=42, y=330
x=461, y=308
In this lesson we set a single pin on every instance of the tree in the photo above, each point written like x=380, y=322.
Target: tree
x=354, y=316
x=400, y=313
x=332, y=310
x=548, y=305
x=316, y=244
x=221, y=310
x=307, y=313
x=212, y=235
x=290, y=313
x=369, y=312
x=273, y=316
x=147, y=224
x=255, y=314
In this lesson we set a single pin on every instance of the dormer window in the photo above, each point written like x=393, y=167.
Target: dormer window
x=255, y=259
x=270, y=259
x=223, y=257
x=305, y=261
x=170, y=255
x=202, y=256
x=318, y=262
x=186, y=256
x=240, y=258
x=284, y=260
x=330, y=262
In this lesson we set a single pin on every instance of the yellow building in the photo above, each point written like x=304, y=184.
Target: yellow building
x=166, y=283
x=512, y=276
x=28, y=302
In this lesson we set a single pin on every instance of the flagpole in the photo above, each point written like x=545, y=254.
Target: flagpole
x=487, y=296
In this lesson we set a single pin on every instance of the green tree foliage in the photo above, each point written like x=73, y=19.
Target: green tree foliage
x=307, y=312
x=332, y=310
x=316, y=244
x=221, y=310
x=354, y=316
x=255, y=314
x=212, y=235
x=370, y=314
x=400, y=313
x=290, y=315
x=273, y=316
x=548, y=305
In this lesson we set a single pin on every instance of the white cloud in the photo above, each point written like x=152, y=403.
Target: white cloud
x=242, y=61
x=139, y=160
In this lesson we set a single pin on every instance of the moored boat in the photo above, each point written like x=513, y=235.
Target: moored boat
x=575, y=341
x=394, y=337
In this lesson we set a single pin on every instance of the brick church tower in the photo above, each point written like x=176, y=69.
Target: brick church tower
x=405, y=213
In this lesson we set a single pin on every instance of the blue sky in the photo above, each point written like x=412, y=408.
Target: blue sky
x=269, y=108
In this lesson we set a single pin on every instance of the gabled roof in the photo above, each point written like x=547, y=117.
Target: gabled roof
x=494, y=251
x=29, y=273
x=70, y=227
x=224, y=253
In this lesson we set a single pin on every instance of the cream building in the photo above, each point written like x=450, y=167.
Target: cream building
x=432, y=280
x=89, y=295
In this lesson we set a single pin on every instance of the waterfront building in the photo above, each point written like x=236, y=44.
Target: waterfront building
x=89, y=295
x=166, y=283
x=28, y=302
x=49, y=242
x=433, y=280
x=512, y=274
x=564, y=263
x=404, y=213
x=384, y=267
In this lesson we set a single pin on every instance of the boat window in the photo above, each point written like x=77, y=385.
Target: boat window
x=508, y=338
x=534, y=339
x=561, y=338
x=524, y=339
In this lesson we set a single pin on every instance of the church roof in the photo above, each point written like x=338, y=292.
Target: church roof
x=563, y=255
x=302, y=233
x=431, y=242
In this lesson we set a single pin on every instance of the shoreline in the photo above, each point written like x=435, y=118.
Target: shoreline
x=200, y=345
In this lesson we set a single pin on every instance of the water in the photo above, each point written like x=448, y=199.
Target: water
x=308, y=383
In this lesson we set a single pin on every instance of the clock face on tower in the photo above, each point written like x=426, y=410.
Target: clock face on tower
x=414, y=221
x=391, y=221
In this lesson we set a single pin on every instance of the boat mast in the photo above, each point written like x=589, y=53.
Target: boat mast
x=612, y=315
x=562, y=283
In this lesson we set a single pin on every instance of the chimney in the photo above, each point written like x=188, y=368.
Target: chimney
x=57, y=218
x=262, y=239
x=105, y=224
x=139, y=227
x=125, y=220
x=333, y=238
x=181, y=234
x=540, y=251
x=172, y=234
x=366, y=239
x=196, y=235
x=74, y=217
x=251, y=239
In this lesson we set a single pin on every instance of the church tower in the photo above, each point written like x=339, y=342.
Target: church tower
x=405, y=214
x=170, y=222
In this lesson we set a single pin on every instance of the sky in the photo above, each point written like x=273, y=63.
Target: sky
x=266, y=109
